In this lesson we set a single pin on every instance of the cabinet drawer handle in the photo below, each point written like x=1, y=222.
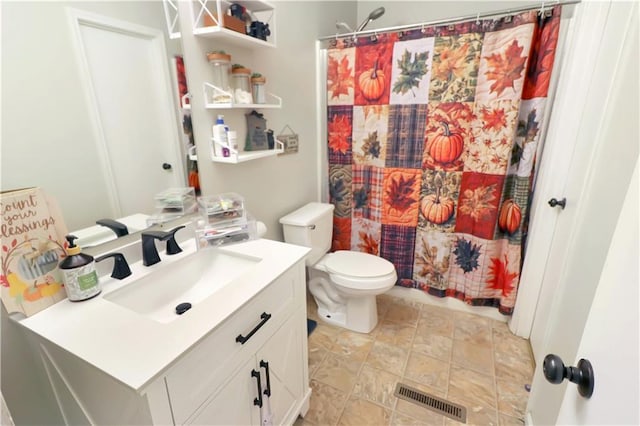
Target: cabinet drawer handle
x=265, y=365
x=242, y=339
x=257, y=401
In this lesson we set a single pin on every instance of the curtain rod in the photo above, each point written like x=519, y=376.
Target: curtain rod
x=541, y=6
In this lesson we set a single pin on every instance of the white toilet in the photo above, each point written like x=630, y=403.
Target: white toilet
x=345, y=283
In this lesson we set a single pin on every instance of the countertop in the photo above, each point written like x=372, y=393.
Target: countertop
x=134, y=349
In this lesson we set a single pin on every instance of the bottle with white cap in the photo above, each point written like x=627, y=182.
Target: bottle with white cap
x=220, y=141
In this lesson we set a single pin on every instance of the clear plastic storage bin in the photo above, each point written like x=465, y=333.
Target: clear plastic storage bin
x=176, y=200
x=214, y=236
x=222, y=208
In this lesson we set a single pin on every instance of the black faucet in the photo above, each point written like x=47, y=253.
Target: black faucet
x=150, y=253
x=120, y=266
x=119, y=228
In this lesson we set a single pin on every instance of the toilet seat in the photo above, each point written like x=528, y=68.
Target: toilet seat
x=360, y=271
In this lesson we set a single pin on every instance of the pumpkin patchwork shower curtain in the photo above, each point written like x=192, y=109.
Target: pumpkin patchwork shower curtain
x=432, y=142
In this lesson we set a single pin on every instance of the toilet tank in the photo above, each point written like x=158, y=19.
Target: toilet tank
x=310, y=226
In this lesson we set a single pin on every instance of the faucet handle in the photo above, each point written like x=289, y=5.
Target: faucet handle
x=172, y=244
x=120, y=266
x=120, y=229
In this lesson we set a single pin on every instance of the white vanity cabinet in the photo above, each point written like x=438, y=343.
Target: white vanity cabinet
x=213, y=383
x=168, y=373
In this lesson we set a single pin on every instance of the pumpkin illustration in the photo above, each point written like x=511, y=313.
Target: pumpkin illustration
x=372, y=83
x=447, y=147
x=437, y=209
x=510, y=216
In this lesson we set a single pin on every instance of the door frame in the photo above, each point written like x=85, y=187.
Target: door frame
x=78, y=18
x=576, y=65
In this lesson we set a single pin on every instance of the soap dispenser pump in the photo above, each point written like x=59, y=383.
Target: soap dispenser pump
x=79, y=273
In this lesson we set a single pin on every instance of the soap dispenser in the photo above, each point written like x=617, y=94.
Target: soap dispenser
x=79, y=273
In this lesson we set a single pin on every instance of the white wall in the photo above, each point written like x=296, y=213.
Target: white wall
x=47, y=139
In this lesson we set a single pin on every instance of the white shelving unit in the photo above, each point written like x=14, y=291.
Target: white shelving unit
x=259, y=10
x=195, y=11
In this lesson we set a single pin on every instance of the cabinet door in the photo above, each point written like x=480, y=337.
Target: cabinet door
x=233, y=403
x=283, y=353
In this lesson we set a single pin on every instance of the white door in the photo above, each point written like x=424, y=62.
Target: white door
x=611, y=336
x=128, y=84
x=587, y=225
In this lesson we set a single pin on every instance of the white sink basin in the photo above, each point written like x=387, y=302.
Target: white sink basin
x=189, y=280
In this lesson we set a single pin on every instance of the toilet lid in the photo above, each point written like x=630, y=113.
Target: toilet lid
x=356, y=264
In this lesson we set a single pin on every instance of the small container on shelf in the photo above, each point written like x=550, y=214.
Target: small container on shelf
x=221, y=63
x=241, y=84
x=257, y=88
x=222, y=208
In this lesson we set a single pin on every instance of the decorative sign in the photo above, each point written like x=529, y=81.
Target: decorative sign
x=289, y=140
x=32, y=247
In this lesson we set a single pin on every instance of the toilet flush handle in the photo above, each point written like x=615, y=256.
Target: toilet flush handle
x=312, y=227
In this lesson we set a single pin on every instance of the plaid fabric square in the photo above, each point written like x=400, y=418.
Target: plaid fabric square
x=367, y=192
x=397, y=245
x=405, y=139
x=339, y=132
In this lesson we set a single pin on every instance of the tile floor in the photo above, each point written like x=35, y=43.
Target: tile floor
x=468, y=359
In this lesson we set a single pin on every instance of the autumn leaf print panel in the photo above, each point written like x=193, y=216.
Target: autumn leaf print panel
x=339, y=133
x=525, y=146
x=341, y=234
x=447, y=135
x=411, y=71
x=370, y=134
x=438, y=200
x=400, y=196
x=478, y=204
x=341, y=66
x=492, y=137
x=373, y=73
x=340, y=192
x=431, y=268
x=454, y=72
x=543, y=53
x=503, y=63
x=503, y=277
x=365, y=236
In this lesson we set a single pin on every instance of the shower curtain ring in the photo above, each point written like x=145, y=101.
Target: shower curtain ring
x=422, y=30
x=478, y=19
x=541, y=13
x=374, y=37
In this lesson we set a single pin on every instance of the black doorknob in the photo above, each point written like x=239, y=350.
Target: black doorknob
x=166, y=166
x=562, y=203
x=582, y=375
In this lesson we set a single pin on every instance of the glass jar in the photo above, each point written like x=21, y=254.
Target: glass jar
x=221, y=63
x=257, y=89
x=241, y=85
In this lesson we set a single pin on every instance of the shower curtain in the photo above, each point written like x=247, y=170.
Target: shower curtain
x=432, y=141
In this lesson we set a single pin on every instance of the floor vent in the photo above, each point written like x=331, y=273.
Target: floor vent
x=433, y=403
